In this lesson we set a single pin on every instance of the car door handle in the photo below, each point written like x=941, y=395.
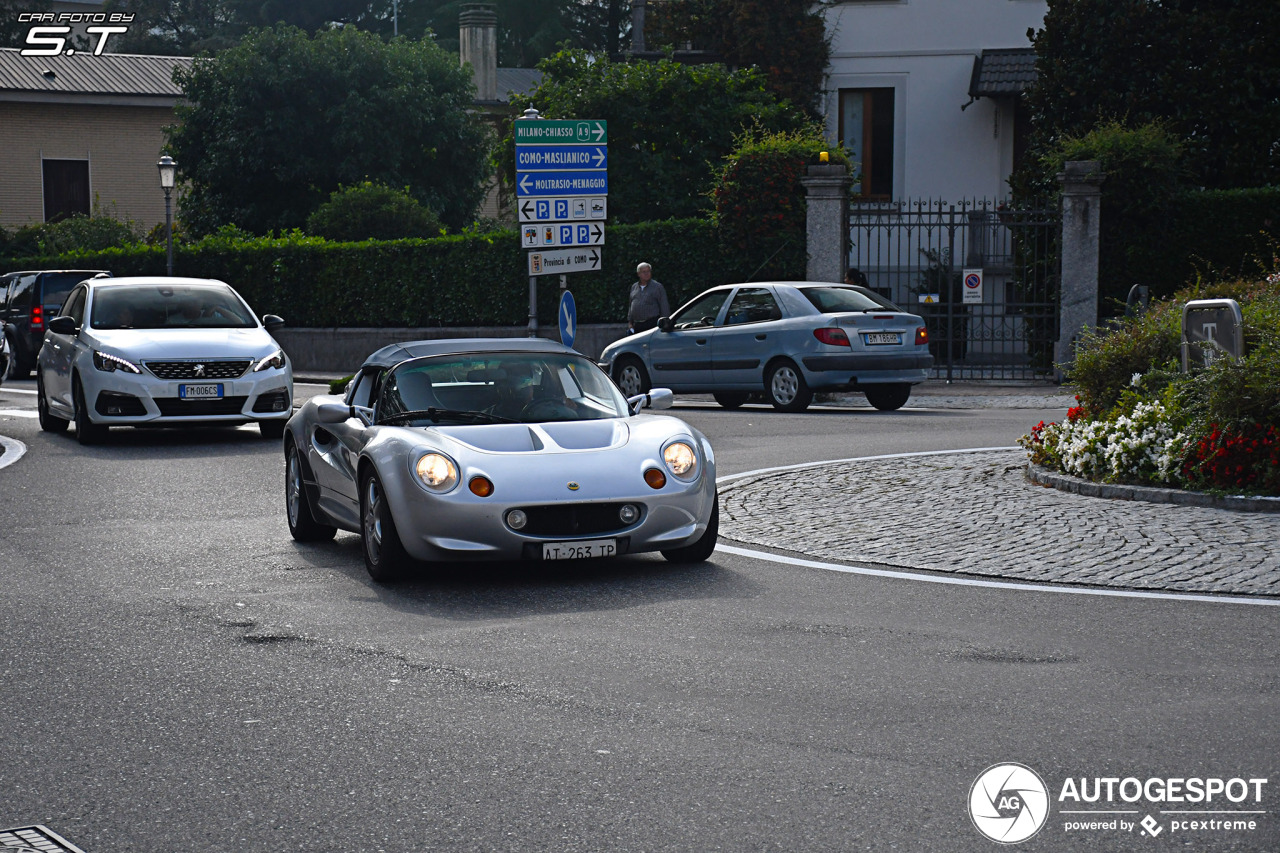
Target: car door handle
x=700, y=341
x=761, y=337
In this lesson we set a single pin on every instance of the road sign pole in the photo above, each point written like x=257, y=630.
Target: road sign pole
x=533, y=306
x=532, y=115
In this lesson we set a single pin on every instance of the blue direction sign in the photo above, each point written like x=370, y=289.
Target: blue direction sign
x=568, y=319
x=533, y=158
x=564, y=209
x=562, y=183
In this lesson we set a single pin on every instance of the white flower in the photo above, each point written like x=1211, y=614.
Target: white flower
x=1137, y=377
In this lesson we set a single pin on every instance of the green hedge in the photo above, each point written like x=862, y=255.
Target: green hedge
x=469, y=280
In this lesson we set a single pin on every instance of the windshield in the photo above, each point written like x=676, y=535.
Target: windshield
x=514, y=387
x=57, y=285
x=837, y=300
x=169, y=306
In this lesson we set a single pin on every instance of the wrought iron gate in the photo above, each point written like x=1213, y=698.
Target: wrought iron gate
x=916, y=253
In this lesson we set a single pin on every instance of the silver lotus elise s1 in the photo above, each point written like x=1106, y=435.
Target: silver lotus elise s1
x=496, y=449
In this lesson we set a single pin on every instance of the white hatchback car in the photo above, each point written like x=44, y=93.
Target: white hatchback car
x=160, y=351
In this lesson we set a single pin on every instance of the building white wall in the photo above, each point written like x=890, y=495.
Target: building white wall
x=924, y=50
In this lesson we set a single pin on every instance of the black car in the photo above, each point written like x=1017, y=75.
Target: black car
x=28, y=300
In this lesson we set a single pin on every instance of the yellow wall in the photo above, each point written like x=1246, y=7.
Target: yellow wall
x=122, y=145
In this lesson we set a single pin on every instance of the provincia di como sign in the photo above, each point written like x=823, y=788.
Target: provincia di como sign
x=1011, y=803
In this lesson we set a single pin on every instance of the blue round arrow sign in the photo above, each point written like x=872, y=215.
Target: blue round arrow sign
x=568, y=319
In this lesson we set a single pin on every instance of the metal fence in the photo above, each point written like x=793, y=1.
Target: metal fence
x=1001, y=324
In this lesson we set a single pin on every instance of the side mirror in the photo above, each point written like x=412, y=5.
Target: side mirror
x=271, y=322
x=658, y=398
x=665, y=324
x=336, y=413
x=63, y=325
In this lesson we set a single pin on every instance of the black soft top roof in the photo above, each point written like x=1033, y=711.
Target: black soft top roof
x=393, y=354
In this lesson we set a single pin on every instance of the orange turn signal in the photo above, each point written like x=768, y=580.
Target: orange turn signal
x=922, y=335
x=480, y=486
x=655, y=478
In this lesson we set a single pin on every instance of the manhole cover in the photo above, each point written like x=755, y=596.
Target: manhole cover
x=34, y=839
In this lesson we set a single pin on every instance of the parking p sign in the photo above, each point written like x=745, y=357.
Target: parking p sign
x=972, y=287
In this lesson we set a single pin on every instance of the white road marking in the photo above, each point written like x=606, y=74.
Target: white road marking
x=19, y=413
x=958, y=581
x=13, y=450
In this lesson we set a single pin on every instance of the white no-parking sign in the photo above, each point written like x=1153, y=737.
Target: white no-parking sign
x=972, y=286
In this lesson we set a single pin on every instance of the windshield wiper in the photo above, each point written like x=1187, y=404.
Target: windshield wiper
x=436, y=415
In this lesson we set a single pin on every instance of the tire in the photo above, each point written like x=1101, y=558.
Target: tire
x=15, y=369
x=384, y=554
x=888, y=398
x=49, y=422
x=302, y=522
x=700, y=550
x=731, y=399
x=273, y=430
x=785, y=388
x=87, y=432
x=631, y=377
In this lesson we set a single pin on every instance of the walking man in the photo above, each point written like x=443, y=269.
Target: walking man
x=648, y=301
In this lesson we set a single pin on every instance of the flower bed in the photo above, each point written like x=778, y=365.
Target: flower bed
x=1215, y=430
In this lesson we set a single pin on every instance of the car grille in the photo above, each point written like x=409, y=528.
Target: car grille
x=187, y=369
x=175, y=407
x=575, y=519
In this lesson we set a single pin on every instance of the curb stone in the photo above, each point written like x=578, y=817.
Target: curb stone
x=1067, y=483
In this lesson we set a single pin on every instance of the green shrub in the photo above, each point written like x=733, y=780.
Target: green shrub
x=75, y=233
x=759, y=200
x=1149, y=347
x=460, y=280
x=372, y=211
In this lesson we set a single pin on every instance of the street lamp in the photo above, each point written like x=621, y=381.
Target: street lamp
x=168, y=173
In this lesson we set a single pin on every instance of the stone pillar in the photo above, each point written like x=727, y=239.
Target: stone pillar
x=827, y=222
x=478, y=47
x=637, y=25
x=1081, y=219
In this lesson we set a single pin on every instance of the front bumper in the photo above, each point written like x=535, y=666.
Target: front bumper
x=117, y=397
x=460, y=526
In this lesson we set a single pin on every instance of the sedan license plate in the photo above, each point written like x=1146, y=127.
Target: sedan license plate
x=200, y=392
x=579, y=550
x=874, y=338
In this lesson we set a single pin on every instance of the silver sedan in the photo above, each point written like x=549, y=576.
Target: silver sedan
x=496, y=449
x=785, y=339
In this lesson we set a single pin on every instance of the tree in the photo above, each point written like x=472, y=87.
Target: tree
x=670, y=125
x=274, y=125
x=785, y=39
x=1208, y=71
x=369, y=211
x=188, y=27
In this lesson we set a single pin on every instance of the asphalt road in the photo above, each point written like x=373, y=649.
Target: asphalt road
x=179, y=675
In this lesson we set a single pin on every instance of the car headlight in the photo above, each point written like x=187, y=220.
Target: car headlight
x=276, y=360
x=112, y=363
x=681, y=459
x=437, y=472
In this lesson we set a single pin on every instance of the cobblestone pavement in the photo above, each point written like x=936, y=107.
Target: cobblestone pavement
x=976, y=514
